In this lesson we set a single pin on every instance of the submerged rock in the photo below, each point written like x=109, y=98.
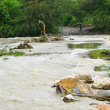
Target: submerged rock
x=71, y=83
x=102, y=84
x=103, y=93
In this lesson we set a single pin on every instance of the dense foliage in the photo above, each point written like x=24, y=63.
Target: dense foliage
x=89, y=12
x=44, y=10
x=9, y=13
x=21, y=17
x=100, y=14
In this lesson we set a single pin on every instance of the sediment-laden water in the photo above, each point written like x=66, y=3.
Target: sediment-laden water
x=25, y=81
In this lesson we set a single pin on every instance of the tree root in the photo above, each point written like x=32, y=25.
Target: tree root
x=60, y=88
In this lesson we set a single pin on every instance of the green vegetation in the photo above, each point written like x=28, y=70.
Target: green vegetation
x=21, y=17
x=42, y=39
x=97, y=68
x=102, y=68
x=5, y=58
x=9, y=13
x=99, y=53
x=11, y=52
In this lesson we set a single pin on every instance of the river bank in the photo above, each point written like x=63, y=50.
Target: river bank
x=74, y=31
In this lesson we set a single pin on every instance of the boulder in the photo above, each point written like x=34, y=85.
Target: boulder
x=103, y=107
x=87, y=78
x=102, y=84
x=71, y=83
x=103, y=93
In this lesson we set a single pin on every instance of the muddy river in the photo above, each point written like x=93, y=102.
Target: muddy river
x=25, y=81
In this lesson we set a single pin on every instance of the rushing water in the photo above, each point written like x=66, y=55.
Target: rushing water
x=25, y=82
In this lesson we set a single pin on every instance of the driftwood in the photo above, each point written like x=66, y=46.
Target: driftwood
x=60, y=88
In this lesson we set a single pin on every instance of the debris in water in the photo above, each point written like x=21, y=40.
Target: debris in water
x=107, y=53
x=25, y=45
x=93, y=103
x=68, y=98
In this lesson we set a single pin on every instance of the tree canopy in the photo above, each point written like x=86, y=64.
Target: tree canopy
x=21, y=17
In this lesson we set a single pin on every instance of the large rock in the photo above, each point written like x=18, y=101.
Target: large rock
x=102, y=84
x=71, y=83
x=87, y=78
x=103, y=107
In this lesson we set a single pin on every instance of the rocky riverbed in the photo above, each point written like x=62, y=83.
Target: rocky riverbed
x=25, y=81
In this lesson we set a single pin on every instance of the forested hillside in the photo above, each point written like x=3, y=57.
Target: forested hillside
x=21, y=17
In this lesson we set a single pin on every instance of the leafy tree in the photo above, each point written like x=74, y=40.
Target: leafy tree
x=99, y=12
x=45, y=10
x=9, y=11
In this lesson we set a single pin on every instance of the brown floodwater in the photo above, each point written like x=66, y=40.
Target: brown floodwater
x=25, y=81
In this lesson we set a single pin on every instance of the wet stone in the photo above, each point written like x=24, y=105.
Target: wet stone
x=102, y=84
x=71, y=83
x=87, y=78
x=103, y=93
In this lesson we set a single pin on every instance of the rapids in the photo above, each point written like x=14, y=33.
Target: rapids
x=25, y=81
